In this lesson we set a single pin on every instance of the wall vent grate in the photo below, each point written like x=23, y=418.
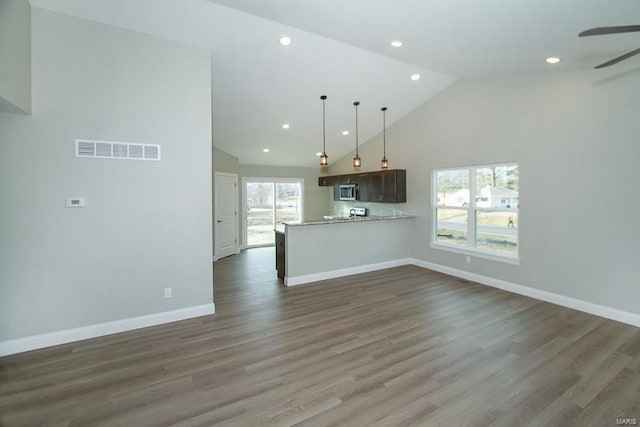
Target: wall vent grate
x=116, y=150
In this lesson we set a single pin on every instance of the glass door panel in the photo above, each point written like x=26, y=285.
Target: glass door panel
x=260, y=213
x=288, y=202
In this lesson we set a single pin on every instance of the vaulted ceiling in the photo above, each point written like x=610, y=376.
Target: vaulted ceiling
x=341, y=48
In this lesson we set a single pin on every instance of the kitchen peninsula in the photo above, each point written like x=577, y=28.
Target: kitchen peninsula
x=317, y=250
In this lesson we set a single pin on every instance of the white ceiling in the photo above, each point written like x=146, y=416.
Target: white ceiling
x=464, y=38
x=341, y=49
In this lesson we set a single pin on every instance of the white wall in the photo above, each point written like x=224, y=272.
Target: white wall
x=575, y=136
x=224, y=162
x=322, y=251
x=146, y=225
x=15, y=56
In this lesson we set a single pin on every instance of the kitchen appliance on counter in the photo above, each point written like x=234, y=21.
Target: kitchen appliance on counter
x=348, y=191
x=354, y=212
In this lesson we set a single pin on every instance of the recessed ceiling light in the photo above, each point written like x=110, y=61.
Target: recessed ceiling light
x=285, y=40
x=286, y=126
x=552, y=60
x=415, y=77
x=345, y=132
x=265, y=150
x=396, y=43
x=318, y=154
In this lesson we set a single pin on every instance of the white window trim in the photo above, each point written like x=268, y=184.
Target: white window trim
x=470, y=249
x=244, y=202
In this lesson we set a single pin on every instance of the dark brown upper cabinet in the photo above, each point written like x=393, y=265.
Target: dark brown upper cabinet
x=388, y=186
x=330, y=181
x=325, y=181
x=394, y=186
x=364, y=187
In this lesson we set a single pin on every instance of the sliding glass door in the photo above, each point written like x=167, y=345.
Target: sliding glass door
x=269, y=202
x=260, y=215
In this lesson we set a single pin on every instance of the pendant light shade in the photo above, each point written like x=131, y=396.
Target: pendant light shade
x=357, y=162
x=324, y=159
x=384, y=163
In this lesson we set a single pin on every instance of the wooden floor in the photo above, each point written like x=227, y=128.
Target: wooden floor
x=403, y=346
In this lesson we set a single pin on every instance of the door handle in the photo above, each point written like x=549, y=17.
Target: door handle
x=219, y=220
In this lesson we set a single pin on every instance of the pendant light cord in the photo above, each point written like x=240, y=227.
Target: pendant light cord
x=324, y=159
x=356, y=104
x=384, y=132
x=324, y=132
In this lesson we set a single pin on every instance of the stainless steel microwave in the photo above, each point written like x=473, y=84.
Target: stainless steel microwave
x=348, y=191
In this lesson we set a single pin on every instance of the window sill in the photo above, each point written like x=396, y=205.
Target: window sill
x=477, y=253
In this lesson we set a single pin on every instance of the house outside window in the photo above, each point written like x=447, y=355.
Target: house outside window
x=475, y=210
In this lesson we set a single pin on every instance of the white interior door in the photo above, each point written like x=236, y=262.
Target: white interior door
x=226, y=215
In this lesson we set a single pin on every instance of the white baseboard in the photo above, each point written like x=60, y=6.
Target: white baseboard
x=70, y=335
x=576, y=304
x=315, y=277
x=92, y=331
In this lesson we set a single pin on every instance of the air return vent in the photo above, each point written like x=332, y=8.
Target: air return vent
x=116, y=150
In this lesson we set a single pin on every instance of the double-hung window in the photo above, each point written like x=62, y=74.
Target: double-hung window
x=476, y=210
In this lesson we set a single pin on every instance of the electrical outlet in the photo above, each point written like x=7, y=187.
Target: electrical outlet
x=168, y=293
x=468, y=259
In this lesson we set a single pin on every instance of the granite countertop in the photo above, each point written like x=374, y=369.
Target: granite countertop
x=336, y=220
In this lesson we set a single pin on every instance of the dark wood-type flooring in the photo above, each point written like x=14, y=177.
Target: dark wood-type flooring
x=403, y=346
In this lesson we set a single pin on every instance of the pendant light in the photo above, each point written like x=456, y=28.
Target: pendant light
x=324, y=159
x=357, y=162
x=384, y=163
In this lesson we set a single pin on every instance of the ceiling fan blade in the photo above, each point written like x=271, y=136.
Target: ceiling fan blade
x=618, y=59
x=609, y=30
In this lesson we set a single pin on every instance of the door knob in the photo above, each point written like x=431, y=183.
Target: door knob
x=219, y=220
